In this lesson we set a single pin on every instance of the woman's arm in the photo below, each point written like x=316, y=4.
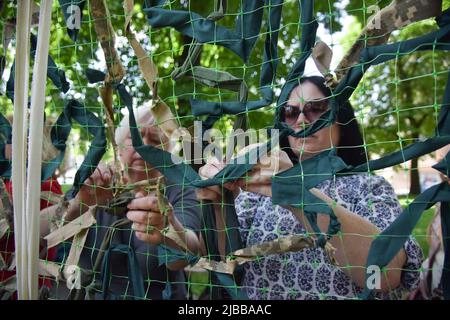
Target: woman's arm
x=353, y=243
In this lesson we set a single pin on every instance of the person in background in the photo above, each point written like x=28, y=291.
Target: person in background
x=7, y=247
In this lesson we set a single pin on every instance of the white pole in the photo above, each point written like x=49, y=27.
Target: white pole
x=19, y=142
x=35, y=143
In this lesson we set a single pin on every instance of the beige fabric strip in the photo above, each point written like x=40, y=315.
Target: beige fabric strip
x=75, y=252
x=160, y=110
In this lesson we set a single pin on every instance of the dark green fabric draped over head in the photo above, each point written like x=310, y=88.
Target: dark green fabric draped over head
x=240, y=40
x=308, y=39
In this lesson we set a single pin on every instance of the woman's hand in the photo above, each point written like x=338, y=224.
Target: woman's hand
x=259, y=179
x=97, y=188
x=213, y=193
x=148, y=220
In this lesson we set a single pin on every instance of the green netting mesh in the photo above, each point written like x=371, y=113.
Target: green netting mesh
x=142, y=196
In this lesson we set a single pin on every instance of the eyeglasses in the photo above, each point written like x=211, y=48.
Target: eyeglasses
x=312, y=111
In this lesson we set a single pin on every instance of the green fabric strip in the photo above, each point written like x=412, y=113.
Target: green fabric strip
x=73, y=14
x=241, y=40
x=220, y=7
x=291, y=187
x=134, y=272
x=267, y=76
x=59, y=134
x=214, y=78
x=169, y=255
x=55, y=74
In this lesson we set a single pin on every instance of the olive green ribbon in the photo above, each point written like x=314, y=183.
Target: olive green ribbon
x=72, y=11
x=54, y=73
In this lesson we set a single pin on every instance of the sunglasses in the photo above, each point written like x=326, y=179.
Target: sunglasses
x=312, y=111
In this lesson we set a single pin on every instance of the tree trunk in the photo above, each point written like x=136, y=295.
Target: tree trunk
x=414, y=188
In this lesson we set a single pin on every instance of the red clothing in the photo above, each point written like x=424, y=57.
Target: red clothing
x=7, y=242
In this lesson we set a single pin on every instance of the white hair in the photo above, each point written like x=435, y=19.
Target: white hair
x=143, y=118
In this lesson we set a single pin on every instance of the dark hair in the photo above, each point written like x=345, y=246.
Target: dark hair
x=350, y=148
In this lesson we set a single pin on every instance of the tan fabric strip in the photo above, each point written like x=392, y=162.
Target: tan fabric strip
x=164, y=117
x=106, y=37
x=106, y=93
x=49, y=269
x=222, y=267
x=322, y=56
x=165, y=206
x=71, y=229
x=146, y=65
x=77, y=247
x=291, y=243
x=51, y=197
x=128, y=6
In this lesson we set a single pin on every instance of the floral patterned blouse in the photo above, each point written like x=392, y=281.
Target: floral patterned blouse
x=308, y=274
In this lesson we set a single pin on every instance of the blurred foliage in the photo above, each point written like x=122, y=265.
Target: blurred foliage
x=398, y=102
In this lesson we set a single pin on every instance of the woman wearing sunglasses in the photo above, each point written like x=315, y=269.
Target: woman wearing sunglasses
x=368, y=205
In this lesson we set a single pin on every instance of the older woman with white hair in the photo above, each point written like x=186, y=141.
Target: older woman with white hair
x=143, y=212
